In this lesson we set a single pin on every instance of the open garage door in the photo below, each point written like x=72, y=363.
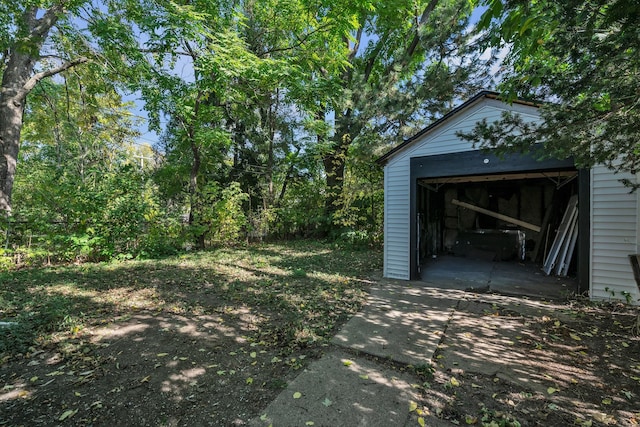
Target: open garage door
x=475, y=207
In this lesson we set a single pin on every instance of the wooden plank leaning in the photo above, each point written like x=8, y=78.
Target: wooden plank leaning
x=497, y=215
x=561, y=235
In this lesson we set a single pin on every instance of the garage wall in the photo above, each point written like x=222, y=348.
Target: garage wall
x=614, y=235
x=396, y=219
x=441, y=139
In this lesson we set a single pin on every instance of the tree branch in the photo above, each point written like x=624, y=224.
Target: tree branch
x=33, y=81
x=356, y=46
x=423, y=19
x=48, y=20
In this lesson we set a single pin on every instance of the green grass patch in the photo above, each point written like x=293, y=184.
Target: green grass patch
x=298, y=292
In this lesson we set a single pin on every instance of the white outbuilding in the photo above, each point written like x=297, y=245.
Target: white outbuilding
x=445, y=197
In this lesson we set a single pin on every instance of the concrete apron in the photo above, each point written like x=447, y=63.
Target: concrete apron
x=404, y=322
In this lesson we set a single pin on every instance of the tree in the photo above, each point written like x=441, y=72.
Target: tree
x=80, y=188
x=582, y=58
x=242, y=114
x=407, y=61
x=24, y=30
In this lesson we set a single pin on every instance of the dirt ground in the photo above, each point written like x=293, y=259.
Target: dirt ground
x=579, y=365
x=149, y=369
x=220, y=362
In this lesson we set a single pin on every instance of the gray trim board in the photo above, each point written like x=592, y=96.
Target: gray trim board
x=584, y=225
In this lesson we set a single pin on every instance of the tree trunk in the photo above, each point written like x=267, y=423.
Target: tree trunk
x=12, y=99
x=194, y=199
x=335, y=161
x=334, y=164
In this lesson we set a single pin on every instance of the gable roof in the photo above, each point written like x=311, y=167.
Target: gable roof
x=483, y=94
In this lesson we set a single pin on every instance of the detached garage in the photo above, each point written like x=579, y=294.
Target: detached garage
x=443, y=198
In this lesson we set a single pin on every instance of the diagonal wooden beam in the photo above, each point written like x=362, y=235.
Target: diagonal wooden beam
x=497, y=215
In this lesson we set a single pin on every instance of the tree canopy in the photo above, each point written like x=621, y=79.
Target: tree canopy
x=271, y=112
x=580, y=59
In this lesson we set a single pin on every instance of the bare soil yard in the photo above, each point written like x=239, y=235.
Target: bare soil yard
x=211, y=338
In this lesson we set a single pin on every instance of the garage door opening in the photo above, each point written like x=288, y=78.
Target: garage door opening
x=510, y=233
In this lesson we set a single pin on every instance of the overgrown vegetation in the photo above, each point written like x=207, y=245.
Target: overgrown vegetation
x=270, y=115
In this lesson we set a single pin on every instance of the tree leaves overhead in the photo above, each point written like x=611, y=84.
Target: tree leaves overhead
x=582, y=57
x=269, y=98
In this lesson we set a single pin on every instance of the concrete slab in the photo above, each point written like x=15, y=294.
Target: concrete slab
x=359, y=392
x=477, y=342
x=504, y=277
x=407, y=322
x=402, y=322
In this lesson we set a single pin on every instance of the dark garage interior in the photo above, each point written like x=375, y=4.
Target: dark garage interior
x=498, y=232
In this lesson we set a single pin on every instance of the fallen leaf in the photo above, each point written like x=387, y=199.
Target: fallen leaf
x=33, y=379
x=309, y=423
x=249, y=380
x=145, y=379
x=253, y=354
x=326, y=402
x=364, y=377
x=454, y=382
x=297, y=395
x=67, y=414
x=551, y=390
x=421, y=422
x=603, y=418
x=347, y=362
x=263, y=417
x=412, y=406
x=575, y=337
x=606, y=401
x=162, y=354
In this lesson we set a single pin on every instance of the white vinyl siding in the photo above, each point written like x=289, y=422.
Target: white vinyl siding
x=396, y=219
x=614, y=236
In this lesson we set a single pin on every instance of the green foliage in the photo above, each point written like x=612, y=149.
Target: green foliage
x=262, y=100
x=227, y=215
x=583, y=57
x=492, y=418
x=80, y=194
